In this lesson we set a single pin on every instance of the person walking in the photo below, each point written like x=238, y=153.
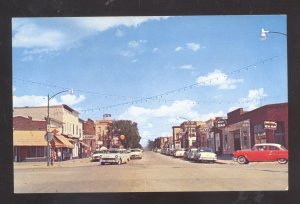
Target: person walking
x=59, y=155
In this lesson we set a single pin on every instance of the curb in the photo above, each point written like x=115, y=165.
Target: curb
x=36, y=167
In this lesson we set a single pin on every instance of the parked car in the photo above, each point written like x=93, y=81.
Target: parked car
x=178, y=152
x=189, y=153
x=158, y=150
x=115, y=156
x=136, y=153
x=96, y=155
x=170, y=151
x=262, y=152
x=205, y=155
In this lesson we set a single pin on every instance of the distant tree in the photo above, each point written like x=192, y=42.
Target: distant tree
x=151, y=144
x=127, y=128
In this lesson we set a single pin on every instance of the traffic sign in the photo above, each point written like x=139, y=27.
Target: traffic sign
x=48, y=136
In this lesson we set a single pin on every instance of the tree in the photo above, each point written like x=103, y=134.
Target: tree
x=127, y=128
x=151, y=144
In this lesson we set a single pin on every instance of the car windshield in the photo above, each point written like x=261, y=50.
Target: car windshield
x=282, y=147
x=113, y=151
x=135, y=150
x=204, y=150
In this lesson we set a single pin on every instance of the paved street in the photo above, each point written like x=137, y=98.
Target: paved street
x=154, y=173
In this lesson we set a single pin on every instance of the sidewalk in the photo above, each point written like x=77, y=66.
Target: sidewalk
x=226, y=159
x=62, y=164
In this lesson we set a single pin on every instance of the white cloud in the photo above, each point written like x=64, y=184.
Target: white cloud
x=30, y=100
x=136, y=44
x=155, y=49
x=152, y=123
x=104, y=23
x=252, y=101
x=119, y=33
x=133, y=44
x=187, y=66
x=219, y=79
x=32, y=36
x=33, y=100
x=14, y=89
x=66, y=33
x=134, y=60
x=193, y=46
x=71, y=99
x=177, y=49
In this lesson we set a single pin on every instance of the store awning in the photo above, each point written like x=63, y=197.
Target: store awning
x=29, y=138
x=83, y=144
x=64, y=141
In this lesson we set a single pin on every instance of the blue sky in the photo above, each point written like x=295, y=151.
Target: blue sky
x=151, y=70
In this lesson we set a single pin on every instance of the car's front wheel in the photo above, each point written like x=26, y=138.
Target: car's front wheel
x=242, y=160
x=282, y=161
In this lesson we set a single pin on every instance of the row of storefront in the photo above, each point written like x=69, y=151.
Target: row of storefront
x=240, y=130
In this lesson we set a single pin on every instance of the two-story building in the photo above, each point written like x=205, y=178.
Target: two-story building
x=103, y=138
x=64, y=119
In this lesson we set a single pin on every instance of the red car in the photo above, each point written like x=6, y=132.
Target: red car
x=262, y=152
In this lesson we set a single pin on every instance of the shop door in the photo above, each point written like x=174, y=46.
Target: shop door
x=279, y=136
x=237, y=141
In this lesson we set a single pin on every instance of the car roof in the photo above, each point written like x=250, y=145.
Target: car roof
x=270, y=144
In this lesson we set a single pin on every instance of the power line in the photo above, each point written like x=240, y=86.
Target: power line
x=160, y=96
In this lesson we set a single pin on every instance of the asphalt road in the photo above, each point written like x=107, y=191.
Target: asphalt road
x=154, y=173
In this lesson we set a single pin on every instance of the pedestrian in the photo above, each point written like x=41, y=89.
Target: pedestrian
x=59, y=155
x=53, y=157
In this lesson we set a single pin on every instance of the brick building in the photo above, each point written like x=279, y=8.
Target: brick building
x=89, y=136
x=268, y=123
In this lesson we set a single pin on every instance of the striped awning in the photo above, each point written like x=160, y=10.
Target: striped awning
x=61, y=141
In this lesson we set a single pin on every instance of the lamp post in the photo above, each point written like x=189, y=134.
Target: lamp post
x=49, y=134
x=264, y=33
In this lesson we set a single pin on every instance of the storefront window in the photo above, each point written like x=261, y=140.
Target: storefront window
x=36, y=152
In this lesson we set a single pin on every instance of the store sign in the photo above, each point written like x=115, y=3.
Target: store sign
x=204, y=129
x=221, y=123
x=270, y=125
x=88, y=136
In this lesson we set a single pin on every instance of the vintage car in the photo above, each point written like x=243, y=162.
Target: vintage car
x=205, y=155
x=178, y=152
x=189, y=153
x=262, y=152
x=136, y=153
x=96, y=155
x=115, y=156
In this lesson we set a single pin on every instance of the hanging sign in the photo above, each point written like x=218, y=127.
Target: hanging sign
x=270, y=125
x=221, y=123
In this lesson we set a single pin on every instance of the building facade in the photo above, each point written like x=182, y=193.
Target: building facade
x=70, y=127
x=176, y=137
x=267, y=124
x=89, y=136
x=103, y=138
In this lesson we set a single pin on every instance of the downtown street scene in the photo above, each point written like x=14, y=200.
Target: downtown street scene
x=150, y=104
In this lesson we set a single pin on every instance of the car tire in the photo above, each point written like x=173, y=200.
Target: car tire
x=242, y=160
x=119, y=161
x=282, y=161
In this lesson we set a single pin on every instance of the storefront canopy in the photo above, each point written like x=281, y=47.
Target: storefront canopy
x=61, y=141
x=29, y=138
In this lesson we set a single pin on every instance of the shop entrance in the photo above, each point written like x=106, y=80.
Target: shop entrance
x=279, y=136
x=237, y=140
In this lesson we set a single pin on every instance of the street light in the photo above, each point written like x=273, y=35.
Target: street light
x=264, y=33
x=49, y=135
